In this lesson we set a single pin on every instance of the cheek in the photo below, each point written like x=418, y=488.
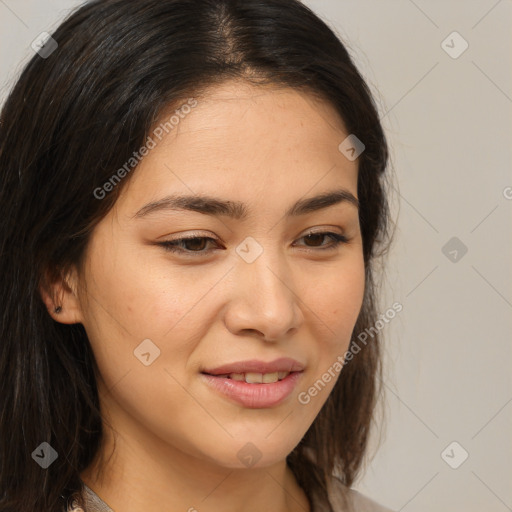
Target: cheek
x=143, y=322
x=133, y=300
x=338, y=299
x=143, y=297
x=337, y=302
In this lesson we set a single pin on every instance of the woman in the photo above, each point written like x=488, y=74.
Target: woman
x=193, y=200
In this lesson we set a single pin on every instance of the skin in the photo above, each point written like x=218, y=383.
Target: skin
x=177, y=439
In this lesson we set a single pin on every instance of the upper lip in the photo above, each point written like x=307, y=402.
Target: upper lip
x=283, y=364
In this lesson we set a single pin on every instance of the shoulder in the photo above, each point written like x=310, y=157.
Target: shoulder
x=345, y=499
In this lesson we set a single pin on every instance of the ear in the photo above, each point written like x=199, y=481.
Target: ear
x=61, y=292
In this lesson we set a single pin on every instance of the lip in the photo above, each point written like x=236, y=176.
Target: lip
x=254, y=396
x=283, y=364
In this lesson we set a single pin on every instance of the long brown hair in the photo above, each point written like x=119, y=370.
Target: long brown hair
x=74, y=116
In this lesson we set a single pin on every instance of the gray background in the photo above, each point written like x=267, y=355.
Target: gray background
x=448, y=353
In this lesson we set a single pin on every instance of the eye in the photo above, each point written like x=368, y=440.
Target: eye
x=317, y=237
x=189, y=245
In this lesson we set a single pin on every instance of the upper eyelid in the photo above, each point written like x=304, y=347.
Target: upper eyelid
x=312, y=231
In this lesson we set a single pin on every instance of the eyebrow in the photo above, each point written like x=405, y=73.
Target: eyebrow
x=214, y=206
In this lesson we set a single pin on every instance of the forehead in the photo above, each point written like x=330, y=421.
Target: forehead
x=245, y=140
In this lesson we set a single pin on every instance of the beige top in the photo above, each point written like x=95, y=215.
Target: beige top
x=357, y=501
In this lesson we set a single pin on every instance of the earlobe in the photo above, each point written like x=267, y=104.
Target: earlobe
x=61, y=299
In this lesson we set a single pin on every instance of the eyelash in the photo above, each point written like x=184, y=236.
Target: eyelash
x=172, y=245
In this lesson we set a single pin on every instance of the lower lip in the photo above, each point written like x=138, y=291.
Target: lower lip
x=254, y=396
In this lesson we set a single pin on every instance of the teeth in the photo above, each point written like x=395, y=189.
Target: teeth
x=254, y=378
x=258, y=378
x=268, y=378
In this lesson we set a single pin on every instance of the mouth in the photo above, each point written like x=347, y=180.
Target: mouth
x=255, y=367
x=254, y=390
x=254, y=377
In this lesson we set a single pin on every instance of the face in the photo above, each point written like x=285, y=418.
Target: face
x=272, y=283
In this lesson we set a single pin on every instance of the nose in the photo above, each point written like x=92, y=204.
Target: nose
x=264, y=300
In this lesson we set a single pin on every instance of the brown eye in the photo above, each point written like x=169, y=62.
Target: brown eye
x=189, y=245
x=315, y=238
x=194, y=244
